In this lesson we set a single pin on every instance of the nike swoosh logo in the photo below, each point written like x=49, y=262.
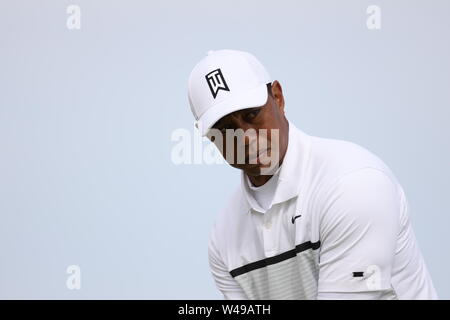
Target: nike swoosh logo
x=293, y=218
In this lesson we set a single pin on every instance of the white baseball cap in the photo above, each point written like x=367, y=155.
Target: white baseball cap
x=223, y=82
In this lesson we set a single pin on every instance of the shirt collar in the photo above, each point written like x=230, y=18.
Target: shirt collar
x=291, y=170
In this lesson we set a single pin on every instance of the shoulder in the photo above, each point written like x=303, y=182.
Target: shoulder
x=345, y=168
x=341, y=156
x=330, y=160
x=358, y=199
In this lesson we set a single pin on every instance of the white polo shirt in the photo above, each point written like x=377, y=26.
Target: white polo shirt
x=338, y=227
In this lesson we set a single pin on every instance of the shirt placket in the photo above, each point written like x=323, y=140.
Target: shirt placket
x=269, y=236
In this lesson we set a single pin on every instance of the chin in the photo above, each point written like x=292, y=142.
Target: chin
x=251, y=170
x=254, y=169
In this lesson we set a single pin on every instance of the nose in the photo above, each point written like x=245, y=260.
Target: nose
x=250, y=134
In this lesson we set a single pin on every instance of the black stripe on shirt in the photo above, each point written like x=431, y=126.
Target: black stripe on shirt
x=275, y=259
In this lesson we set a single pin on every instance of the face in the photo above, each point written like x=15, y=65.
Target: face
x=259, y=144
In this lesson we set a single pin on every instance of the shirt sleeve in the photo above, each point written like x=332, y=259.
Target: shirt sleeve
x=359, y=224
x=223, y=279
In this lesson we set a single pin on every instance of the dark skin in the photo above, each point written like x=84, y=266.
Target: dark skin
x=269, y=116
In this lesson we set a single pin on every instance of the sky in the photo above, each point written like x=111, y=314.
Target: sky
x=88, y=109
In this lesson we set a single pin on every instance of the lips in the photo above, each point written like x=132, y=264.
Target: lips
x=253, y=157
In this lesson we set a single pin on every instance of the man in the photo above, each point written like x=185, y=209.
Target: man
x=313, y=218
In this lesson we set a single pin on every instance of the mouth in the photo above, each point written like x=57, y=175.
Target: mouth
x=253, y=157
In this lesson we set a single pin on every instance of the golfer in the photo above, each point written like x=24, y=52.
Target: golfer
x=313, y=218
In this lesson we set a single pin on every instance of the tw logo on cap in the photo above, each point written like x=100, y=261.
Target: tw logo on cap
x=216, y=82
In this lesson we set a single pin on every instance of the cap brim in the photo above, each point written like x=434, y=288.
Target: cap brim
x=253, y=98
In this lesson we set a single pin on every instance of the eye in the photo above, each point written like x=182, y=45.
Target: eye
x=252, y=114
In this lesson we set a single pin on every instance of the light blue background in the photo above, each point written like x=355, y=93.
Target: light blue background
x=86, y=116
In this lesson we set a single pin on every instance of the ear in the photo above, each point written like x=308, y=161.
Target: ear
x=277, y=93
